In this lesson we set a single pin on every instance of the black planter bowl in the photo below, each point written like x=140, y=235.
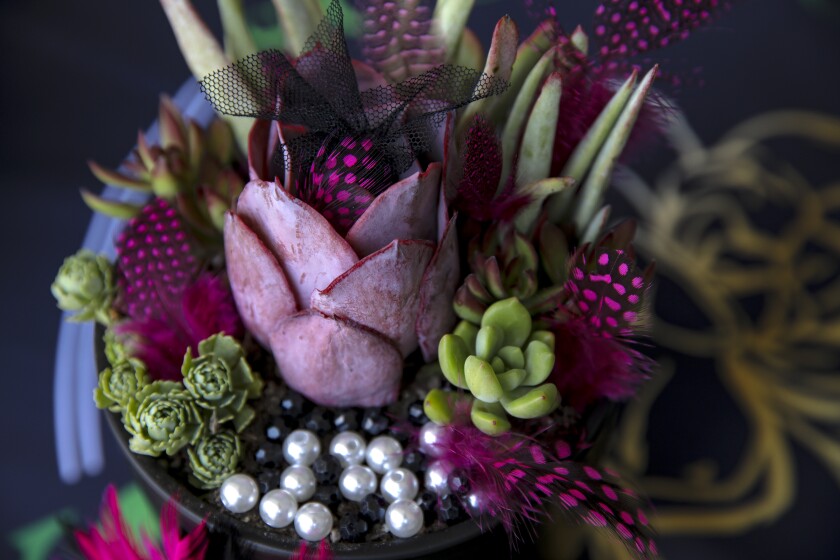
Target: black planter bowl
x=455, y=542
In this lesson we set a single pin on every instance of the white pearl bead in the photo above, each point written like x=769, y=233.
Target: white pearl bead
x=299, y=481
x=404, y=519
x=384, y=454
x=356, y=482
x=430, y=439
x=278, y=508
x=302, y=447
x=349, y=448
x=313, y=521
x=399, y=484
x=239, y=493
x=437, y=477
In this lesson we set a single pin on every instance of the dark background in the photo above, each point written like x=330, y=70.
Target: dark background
x=80, y=78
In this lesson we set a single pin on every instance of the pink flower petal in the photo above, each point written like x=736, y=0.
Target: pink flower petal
x=262, y=292
x=335, y=362
x=405, y=211
x=381, y=291
x=262, y=145
x=436, y=316
x=308, y=249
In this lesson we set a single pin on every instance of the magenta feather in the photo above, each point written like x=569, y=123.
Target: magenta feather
x=516, y=479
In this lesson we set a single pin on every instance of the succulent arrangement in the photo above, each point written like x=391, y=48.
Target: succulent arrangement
x=418, y=246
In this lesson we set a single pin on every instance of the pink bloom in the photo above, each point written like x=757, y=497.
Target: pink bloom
x=112, y=540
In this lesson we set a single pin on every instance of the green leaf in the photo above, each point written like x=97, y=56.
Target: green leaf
x=452, y=353
x=490, y=418
x=488, y=341
x=438, y=406
x=511, y=379
x=481, y=380
x=512, y=317
x=529, y=403
x=119, y=210
x=298, y=18
x=237, y=36
x=539, y=361
x=117, y=179
x=537, y=146
x=512, y=356
x=519, y=113
x=592, y=192
x=450, y=19
x=538, y=192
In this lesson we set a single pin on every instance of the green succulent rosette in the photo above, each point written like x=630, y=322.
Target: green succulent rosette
x=119, y=383
x=503, y=363
x=85, y=285
x=213, y=459
x=221, y=380
x=162, y=418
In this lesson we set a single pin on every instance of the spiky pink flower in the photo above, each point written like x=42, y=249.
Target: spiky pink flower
x=203, y=308
x=111, y=539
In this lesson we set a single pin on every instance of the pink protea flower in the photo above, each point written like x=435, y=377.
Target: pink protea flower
x=111, y=539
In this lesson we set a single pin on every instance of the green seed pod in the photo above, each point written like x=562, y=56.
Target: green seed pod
x=221, y=380
x=452, y=353
x=488, y=341
x=511, y=379
x=512, y=356
x=162, y=417
x=213, y=459
x=118, y=383
x=481, y=380
x=531, y=403
x=85, y=284
x=438, y=406
x=510, y=316
x=539, y=361
x=490, y=418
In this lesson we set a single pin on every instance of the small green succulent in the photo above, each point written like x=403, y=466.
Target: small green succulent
x=221, y=380
x=120, y=382
x=503, y=363
x=85, y=284
x=162, y=417
x=213, y=459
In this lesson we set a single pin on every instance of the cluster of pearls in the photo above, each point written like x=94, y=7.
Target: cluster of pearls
x=362, y=462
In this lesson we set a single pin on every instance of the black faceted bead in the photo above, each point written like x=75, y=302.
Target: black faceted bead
x=346, y=420
x=268, y=480
x=318, y=420
x=276, y=429
x=414, y=460
x=327, y=494
x=352, y=527
x=416, y=415
x=374, y=421
x=269, y=455
x=427, y=500
x=372, y=508
x=294, y=405
x=327, y=469
x=459, y=483
x=450, y=510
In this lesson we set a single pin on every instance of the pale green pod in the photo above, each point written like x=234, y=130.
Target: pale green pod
x=531, y=403
x=481, y=380
x=511, y=379
x=438, y=406
x=488, y=341
x=539, y=361
x=512, y=356
x=452, y=353
x=512, y=317
x=468, y=333
x=490, y=418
